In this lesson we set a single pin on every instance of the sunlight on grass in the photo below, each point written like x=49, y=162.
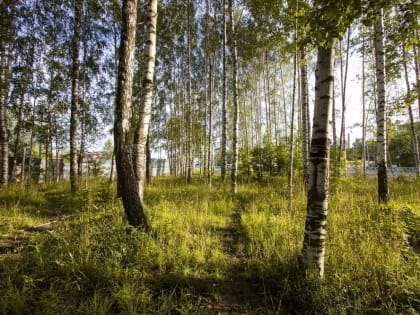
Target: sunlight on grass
x=206, y=246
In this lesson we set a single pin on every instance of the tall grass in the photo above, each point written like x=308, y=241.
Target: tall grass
x=209, y=252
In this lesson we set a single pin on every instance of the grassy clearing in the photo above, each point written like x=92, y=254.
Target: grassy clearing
x=210, y=253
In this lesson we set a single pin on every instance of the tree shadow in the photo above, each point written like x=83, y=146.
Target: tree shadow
x=244, y=288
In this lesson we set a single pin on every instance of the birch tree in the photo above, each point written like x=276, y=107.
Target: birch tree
x=319, y=163
x=305, y=115
x=75, y=94
x=143, y=125
x=224, y=92
x=127, y=180
x=6, y=49
x=414, y=138
x=383, y=192
x=327, y=29
x=234, y=171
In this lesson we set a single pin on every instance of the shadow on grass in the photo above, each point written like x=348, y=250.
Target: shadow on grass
x=285, y=290
x=244, y=287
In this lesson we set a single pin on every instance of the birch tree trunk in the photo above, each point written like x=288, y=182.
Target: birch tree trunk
x=414, y=139
x=305, y=115
x=292, y=135
x=417, y=70
x=189, y=166
x=383, y=192
x=224, y=87
x=75, y=95
x=127, y=181
x=17, y=132
x=364, y=120
x=313, y=252
x=6, y=44
x=84, y=111
x=210, y=136
x=4, y=136
x=234, y=173
x=142, y=130
x=343, y=84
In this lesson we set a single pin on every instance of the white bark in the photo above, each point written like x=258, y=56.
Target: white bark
x=383, y=193
x=318, y=184
x=75, y=95
x=414, y=139
x=146, y=99
x=234, y=173
x=224, y=119
x=305, y=116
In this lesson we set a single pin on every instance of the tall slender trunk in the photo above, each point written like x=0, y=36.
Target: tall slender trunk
x=414, y=138
x=142, y=130
x=284, y=104
x=292, y=136
x=364, y=120
x=75, y=95
x=32, y=133
x=224, y=92
x=111, y=174
x=48, y=144
x=343, y=85
x=313, y=252
x=234, y=173
x=305, y=115
x=334, y=120
x=127, y=181
x=83, y=113
x=189, y=98
x=6, y=56
x=383, y=191
x=148, y=161
x=58, y=170
x=4, y=136
x=210, y=137
x=269, y=122
x=17, y=131
x=22, y=173
x=417, y=68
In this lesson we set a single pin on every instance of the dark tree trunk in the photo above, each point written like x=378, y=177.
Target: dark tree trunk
x=148, y=161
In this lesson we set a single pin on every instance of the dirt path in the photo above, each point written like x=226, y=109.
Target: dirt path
x=239, y=293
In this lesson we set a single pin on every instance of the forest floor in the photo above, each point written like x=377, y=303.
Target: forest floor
x=209, y=252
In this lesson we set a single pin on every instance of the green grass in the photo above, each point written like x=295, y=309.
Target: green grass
x=209, y=253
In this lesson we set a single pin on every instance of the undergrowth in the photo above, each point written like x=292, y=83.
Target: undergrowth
x=209, y=253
